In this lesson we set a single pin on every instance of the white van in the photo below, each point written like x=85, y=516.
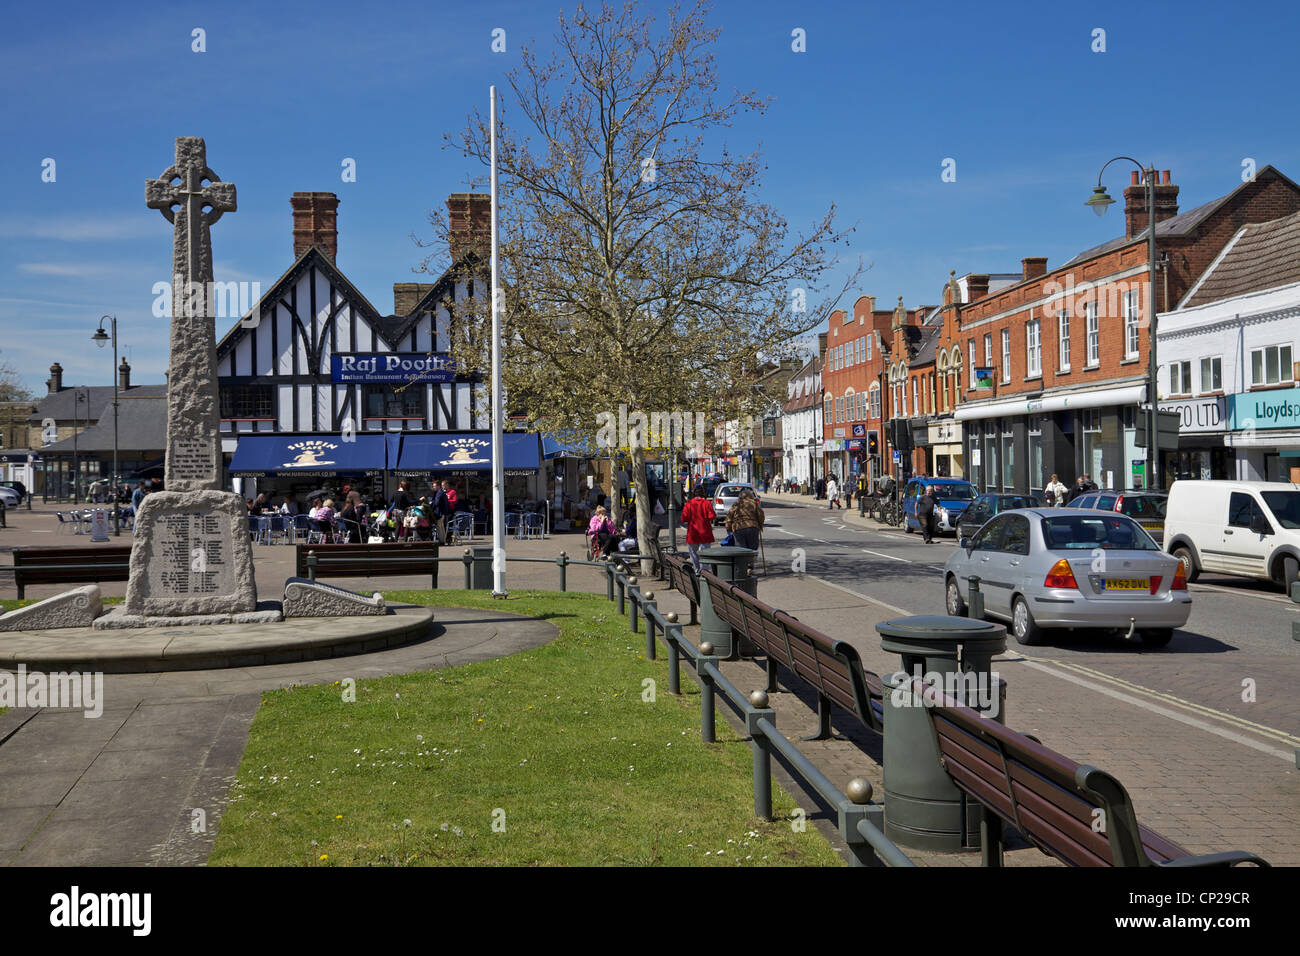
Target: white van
x=1250, y=528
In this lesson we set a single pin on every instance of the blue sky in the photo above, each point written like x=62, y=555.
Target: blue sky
x=864, y=118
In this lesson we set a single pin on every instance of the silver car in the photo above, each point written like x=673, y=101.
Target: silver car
x=726, y=495
x=1044, y=568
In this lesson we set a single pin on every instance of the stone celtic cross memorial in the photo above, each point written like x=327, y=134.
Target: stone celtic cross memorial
x=192, y=555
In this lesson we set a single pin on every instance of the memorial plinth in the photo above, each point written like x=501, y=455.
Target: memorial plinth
x=192, y=555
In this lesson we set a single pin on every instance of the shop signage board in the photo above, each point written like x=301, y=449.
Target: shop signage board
x=1199, y=414
x=1274, y=408
x=391, y=367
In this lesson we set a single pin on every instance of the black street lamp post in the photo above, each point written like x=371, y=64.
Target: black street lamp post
x=1100, y=201
x=100, y=338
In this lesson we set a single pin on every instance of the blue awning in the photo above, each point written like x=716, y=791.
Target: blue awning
x=467, y=453
x=286, y=456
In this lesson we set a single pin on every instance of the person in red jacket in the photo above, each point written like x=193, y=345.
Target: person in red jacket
x=697, y=515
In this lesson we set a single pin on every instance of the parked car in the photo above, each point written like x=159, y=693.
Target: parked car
x=17, y=486
x=1147, y=508
x=1249, y=528
x=953, y=496
x=1046, y=568
x=727, y=495
x=984, y=507
x=10, y=497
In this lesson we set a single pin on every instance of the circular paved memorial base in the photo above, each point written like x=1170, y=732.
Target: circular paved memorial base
x=202, y=647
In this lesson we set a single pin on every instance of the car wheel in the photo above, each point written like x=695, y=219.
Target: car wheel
x=1023, y=627
x=956, y=606
x=1157, y=637
x=1189, y=565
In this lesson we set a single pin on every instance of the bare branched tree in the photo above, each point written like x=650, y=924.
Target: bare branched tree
x=639, y=265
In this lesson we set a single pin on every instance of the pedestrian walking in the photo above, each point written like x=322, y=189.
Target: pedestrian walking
x=1077, y=489
x=745, y=519
x=832, y=493
x=697, y=516
x=925, y=513
x=1055, y=492
x=137, y=499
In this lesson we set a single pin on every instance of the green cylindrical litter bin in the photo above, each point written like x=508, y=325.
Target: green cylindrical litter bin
x=480, y=577
x=731, y=564
x=923, y=809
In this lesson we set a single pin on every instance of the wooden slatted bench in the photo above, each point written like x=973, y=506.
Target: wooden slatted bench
x=681, y=574
x=370, y=560
x=56, y=565
x=1075, y=813
x=832, y=668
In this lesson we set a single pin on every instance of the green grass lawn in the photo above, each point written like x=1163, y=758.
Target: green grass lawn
x=548, y=757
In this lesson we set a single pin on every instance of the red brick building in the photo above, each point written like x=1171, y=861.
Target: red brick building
x=853, y=389
x=1068, y=347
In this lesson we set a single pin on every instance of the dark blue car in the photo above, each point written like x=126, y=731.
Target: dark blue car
x=952, y=495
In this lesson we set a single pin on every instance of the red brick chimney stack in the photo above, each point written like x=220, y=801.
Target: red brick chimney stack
x=1033, y=267
x=315, y=223
x=124, y=375
x=469, y=216
x=1135, y=203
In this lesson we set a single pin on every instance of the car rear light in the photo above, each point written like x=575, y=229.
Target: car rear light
x=1180, y=579
x=1119, y=506
x=1060, y=576
x=1155, y=583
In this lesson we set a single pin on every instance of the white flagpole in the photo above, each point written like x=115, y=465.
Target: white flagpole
x=498, y=442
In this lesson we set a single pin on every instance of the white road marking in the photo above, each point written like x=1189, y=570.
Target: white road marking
x=783, y=531
x=1287, y=755
x=1263, y=597
x=882, y=555
x=937, y=567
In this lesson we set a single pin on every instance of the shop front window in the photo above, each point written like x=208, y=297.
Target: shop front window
x=1036, y=477
x=1008, y=457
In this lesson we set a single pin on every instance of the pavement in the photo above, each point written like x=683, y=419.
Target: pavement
x=1206, y=774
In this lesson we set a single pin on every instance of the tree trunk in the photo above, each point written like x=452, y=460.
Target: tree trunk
x=645, y=517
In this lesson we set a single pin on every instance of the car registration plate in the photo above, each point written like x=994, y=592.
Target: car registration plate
x=1127, y=584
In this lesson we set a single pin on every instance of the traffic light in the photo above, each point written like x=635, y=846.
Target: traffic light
x=873, y=443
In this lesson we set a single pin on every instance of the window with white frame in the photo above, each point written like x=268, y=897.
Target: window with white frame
x=970, y=350
x=1063, y=338
x=852, y=403
x=1094, y=334
x=1212, y=374
x=1180, y=378
x=1270, y=365
x=1131, y=332
x=988, y=349
x=875, y=401
x=1006, y=355
x=916, y=404
x=870, y=336
x=1033, y=348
